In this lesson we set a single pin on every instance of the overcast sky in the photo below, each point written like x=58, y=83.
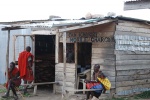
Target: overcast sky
x=15, y=10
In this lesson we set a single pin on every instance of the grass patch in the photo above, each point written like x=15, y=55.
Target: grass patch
x=119, y=99
x=2, y=90
x=9, y=98
x=144, y=95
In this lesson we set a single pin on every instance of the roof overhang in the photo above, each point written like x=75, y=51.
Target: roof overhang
x=85, y=25
x=137, y=4
x=44, y=32
x=11, y=28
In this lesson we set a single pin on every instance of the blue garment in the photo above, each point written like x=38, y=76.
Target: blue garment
x=99, y=86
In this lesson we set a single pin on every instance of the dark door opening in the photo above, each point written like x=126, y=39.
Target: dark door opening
x=45, y=59
x=84, y=58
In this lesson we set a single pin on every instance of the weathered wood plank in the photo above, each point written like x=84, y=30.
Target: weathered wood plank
x=103, y=50
x=109, y=73
x=132, y=33
x=57, y=48
x=132, y=62
x=57, y=69
x=103, y=56
x=103, y=62
x=129, y=67
x=132, y=77
x=133, y=24
x=134, y=82
x=117, y=52
x=133, y=57
x=111, y=78
x=60, y=65
x=109, y=61
x=59, y=89
x=132, y=29
x=105, y=67
x=67, y=74
x=133, y=72
x=113, y=85
x=130, y=90
x=69, y=79
x=68, y=84
x=103, y=45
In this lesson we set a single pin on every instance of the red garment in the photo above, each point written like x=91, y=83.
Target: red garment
x=23, y=65
x=90, y=85
x=11, y=75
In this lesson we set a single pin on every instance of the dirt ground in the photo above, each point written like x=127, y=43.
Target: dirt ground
x=42, y=94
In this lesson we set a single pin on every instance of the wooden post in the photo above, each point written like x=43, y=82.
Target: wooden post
x=33, y=52
x=57, y=47
x=7, y=55
x=14, y=40
x=56, y=55
x=76, y=63
x=64, y=68
x=24, y=42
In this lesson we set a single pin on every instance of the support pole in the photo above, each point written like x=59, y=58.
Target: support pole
x=14, y=40
x=64, y=68
x=33, y=52
x=57, y=47
x=76, y=63
x=7, y=55
x=56, y=55
x=24, y=42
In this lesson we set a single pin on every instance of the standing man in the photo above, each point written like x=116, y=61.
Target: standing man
x=25, y=62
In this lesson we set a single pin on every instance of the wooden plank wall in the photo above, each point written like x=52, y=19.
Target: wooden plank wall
x=70, y=76
x=132, y=67
x=103, y=54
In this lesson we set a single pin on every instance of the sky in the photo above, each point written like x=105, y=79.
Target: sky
x=17, y=10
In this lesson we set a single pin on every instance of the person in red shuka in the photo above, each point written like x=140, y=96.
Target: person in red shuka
x=13, y=80
x=25, y=62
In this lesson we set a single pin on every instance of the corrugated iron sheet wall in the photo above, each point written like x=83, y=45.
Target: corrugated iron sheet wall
x=3, y=48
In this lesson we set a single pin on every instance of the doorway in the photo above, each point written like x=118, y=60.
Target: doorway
x=84, y=59
x=44, y=59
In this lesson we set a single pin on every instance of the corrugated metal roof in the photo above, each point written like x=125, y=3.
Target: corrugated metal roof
x=51, y=24
x=131, y=19
x=134, y=1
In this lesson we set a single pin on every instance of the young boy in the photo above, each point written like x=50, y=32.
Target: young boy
x=104, y=81
x=104, y=84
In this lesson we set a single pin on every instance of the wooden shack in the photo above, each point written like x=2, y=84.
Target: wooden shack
x=121, y=46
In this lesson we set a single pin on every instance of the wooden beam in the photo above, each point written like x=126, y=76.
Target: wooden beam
x=57, y=47
x=24, y=35
x=134, y=5
x=76, y=61
x=24, y=42
x=44, y=32
x=33, y=52
x=14, y=40
x=84, y=26
x=64, y=69
x=43, y=83
x=7, y=56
